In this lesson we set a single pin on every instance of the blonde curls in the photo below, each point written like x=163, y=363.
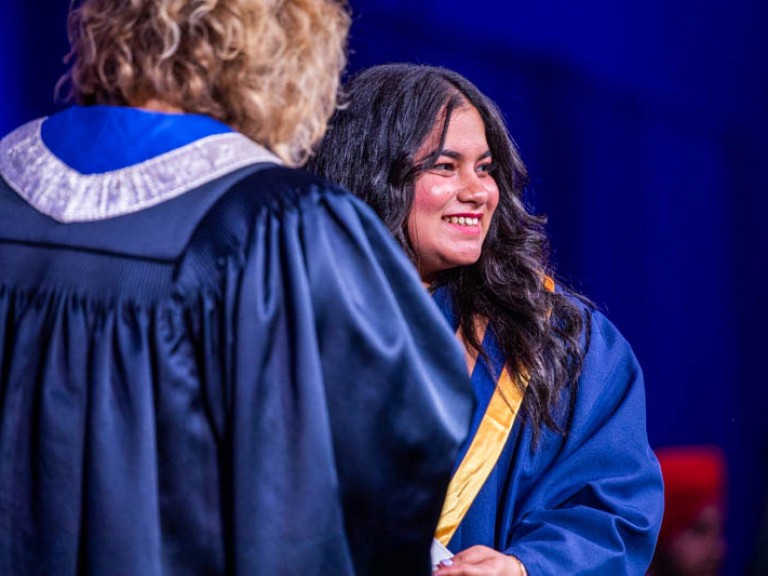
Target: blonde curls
x=268, y=68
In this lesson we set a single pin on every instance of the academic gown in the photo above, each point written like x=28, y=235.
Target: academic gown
x=588, y=502
x=209, y=363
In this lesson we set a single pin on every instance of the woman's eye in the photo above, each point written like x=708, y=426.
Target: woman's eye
x=486, y=167
x=443, y=166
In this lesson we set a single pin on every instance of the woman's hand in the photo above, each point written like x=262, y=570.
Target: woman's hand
x=481, y=561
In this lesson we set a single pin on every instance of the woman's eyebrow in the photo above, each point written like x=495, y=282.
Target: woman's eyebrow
x=458, y=155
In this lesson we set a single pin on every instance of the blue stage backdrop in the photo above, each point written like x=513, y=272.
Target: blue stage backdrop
x=643, y=125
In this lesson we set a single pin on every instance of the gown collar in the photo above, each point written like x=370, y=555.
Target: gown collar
x=98, y=162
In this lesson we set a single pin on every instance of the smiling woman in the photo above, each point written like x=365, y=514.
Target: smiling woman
x=571, y=485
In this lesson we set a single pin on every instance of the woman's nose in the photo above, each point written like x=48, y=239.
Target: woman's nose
x=473, y=190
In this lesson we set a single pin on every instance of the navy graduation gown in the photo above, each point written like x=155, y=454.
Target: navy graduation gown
x=209, y=364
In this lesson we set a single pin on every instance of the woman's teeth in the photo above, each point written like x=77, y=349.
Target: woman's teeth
x=462, y=220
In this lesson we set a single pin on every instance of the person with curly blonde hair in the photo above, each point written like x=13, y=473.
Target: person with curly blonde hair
x=211, y=362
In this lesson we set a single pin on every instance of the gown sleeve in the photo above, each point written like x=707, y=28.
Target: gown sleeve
x=346, y=394
x=395, y=383
x=597, y=508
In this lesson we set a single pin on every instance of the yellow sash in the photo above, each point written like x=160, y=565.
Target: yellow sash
x=486, y=446
x=482, y=455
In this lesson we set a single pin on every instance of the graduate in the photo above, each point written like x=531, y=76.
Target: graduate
x=211, y=362
x=557, y=476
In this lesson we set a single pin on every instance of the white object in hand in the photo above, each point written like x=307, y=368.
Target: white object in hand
x=439, y=552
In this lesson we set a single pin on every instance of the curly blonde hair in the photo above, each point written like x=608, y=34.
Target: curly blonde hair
x=268, y=68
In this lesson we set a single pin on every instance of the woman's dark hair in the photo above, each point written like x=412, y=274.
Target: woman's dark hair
x=371, y=149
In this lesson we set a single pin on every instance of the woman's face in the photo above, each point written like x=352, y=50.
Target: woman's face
x=454, y=200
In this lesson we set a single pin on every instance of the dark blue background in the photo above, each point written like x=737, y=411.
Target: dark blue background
x=643, y=125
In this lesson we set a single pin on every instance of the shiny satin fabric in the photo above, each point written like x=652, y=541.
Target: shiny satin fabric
x=245, y=379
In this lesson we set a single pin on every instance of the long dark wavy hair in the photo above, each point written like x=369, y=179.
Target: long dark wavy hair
x=371, y=149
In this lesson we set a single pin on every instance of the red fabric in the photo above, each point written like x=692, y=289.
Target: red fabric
x=694, y=478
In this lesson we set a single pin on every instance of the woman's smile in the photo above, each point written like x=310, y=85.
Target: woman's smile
x=467, y=223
